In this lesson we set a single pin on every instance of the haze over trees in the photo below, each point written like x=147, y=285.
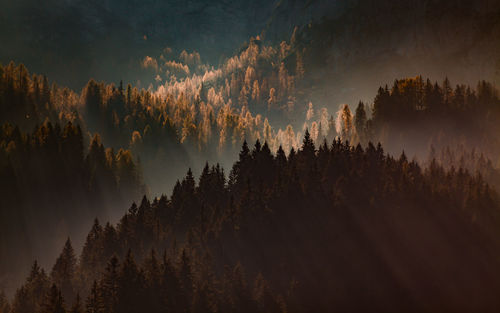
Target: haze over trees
x=330, y=222
x=48, y=178
x=172, y=131
x=354, y=149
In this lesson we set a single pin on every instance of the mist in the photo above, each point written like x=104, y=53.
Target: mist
x=129, y=113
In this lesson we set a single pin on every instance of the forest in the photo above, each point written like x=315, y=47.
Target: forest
x=148, y=129
x=239, y=243
x=321, y=156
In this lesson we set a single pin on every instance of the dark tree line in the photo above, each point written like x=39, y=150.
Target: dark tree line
x=158, y=284
x=459, y=156
x=49, y=178
x=418, y=111
x=339, y=228
x=176, y=131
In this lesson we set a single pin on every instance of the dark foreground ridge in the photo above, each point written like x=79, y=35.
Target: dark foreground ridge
x=341, y=228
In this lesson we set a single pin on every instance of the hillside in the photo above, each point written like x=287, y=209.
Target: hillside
x=372, y=184
x=339, y=228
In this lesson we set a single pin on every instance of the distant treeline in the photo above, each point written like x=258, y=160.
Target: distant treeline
x=190, y=122
x=330, y=229
x=456, y=125
x=415, y=110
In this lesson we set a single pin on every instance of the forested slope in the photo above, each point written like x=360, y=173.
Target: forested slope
x=339, y=228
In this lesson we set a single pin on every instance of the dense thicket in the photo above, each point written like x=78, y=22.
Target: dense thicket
x=27, y=100
x=419, y=111
x=455, y=125
x=338, y=228
x=360, y=197
x=412, y=115
x=208, y=113
x=185, y=124
x=51, y=183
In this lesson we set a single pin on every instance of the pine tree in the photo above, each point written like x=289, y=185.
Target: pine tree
x=153, y=282
x=308, y=149
x=185, y=276
x=91, y=256
x=30, y=297
x=189, y=182
x=130, y=287
x=63, y=272
x=281, y=158
x=54, y=302
x=360, y=122
x=109, y=286
x=94, y=300
x=171, y=288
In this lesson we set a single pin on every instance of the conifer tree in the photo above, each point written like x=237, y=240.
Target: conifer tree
x=63, y=272
x=94, y=304
x=54, y=302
